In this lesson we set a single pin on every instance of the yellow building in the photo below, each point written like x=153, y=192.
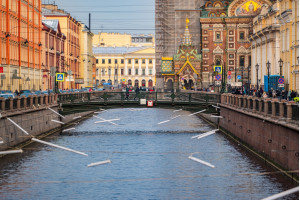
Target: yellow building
x=134, y=66
x=87, y=58
x=289, y=32
x=122, y=40
x=71, y=28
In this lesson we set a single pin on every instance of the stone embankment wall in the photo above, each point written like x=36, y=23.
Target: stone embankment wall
x=269, y=126
x=34, y=117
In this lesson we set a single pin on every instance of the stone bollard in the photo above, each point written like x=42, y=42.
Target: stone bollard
x=42, y=99
x=31, y=101
x=289, y=112
x=2, y=104
x=56, y=96
x=18, y=103
x=260, y=102
x=11, y=103
x=46, y=100
x=281, y=109
x=273, y=108
x=254, y=104
x=52, y=98
x=249, y=103
x=227, y=99
x=36, y=102
x=266, y=106
x=240, y=102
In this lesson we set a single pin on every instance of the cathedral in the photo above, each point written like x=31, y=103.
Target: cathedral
x=217, y=47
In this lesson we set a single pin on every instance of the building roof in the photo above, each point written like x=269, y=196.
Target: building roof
x=47, y=12
x=116, y=50
x=53, y=24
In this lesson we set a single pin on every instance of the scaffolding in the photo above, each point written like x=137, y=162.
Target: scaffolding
x=170, y=18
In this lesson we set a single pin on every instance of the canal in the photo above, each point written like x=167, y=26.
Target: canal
x=148, y=161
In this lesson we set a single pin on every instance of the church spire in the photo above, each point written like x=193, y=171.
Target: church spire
x=187, y=37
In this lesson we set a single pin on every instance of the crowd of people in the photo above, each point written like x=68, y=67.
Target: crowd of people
x=290, y=95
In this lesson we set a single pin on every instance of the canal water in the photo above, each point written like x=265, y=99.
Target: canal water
x=149, y=161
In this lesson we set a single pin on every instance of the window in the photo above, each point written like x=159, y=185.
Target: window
x=143, y=72
x=231, y=56
x=103, y=61
x=136, y=71
x=249, y=60
x=116, y=71
x=122, y=71
x=97, y=61
x=129, y=71
x=218, y=35
x=122, y=61
x=109, y=61
x=136, y=61
x=242, y=61
x=150, y=71
x=150, y=61
x=129, y=61
x=242, y=35
x=116, y=61
x=143, y=61
x=218, y=61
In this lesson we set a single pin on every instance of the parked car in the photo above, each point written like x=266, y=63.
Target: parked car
x=7, y=95
x=25, y=93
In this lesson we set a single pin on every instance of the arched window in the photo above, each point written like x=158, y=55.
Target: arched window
x=143, y=83
x=136, y=83
x=129, y=82
x=150, y=83
x=242, y=61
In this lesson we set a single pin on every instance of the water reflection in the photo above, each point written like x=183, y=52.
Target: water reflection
x=149, y=161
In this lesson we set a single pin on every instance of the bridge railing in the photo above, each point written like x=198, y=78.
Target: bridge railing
x=268, y=107
x=121, y=97
x=12, y=105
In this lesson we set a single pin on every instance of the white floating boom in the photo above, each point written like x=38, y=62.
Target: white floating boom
x=99, y=163
x=77, y=117
x=163, y=122
x=69, y=129
x=105, y=120
x=57, y=121
x=201, y=161
x=57, y=146
x=56, y=112
x=11, y=152
x=205, y=135
x=197, y=112
x=109, y=120
x=18, y=126
x=212, y=131
x=282, y=194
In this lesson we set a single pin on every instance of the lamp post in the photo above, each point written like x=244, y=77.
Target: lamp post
x=268, y=67
x=257, y=67
x=109, y=71
x=249, y=69
x=280, y=66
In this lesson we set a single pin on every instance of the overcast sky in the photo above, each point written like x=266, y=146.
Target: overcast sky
x=123, y=16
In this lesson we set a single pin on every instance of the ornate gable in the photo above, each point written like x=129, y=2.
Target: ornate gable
x=218, y=50
x=247, y=8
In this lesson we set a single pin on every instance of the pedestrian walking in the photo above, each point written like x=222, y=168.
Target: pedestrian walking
x=137, y=91
x=127, y=92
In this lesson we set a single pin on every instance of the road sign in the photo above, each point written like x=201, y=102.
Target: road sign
x=281, y=81
x=217, y=83
x=229, y=77
x=229, y=73
x=280, y=85
x=60, y=77
x=229, y=81
x=218, y=68
x=238, y=77
x=218, y=77
x=1, y=69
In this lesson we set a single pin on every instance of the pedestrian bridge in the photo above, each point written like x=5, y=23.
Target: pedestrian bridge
x=119, y=98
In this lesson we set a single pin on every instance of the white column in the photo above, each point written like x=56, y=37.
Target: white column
x=147, y=70
x=140, y=66
x=153, y=69
x=126, y=69
x=132, y=69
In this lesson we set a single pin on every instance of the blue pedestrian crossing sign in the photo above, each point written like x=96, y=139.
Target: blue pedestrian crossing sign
x=60, y=77
x=218, y=68
x=238, y=77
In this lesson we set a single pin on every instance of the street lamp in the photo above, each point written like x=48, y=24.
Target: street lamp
x=268, y=67
x=280, y=66
x=249, y=69
x=257, y=67
x=109, y=71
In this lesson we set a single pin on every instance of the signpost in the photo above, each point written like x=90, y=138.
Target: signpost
x=218, y=68
x=229, y=73
x=238, y=77
x=229, y=77
x=218, y=77
x=217, y=83
x=60, y=77
x=1, y=70
x=281, y=82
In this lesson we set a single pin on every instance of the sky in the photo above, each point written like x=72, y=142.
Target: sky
x=130, y=16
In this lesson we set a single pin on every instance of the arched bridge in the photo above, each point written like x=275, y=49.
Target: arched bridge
x=120, y=98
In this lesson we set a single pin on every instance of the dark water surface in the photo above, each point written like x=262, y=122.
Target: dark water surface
x=149, y=161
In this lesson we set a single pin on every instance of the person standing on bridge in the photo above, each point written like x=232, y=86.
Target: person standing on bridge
x=137, y=91
x=127, y=92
